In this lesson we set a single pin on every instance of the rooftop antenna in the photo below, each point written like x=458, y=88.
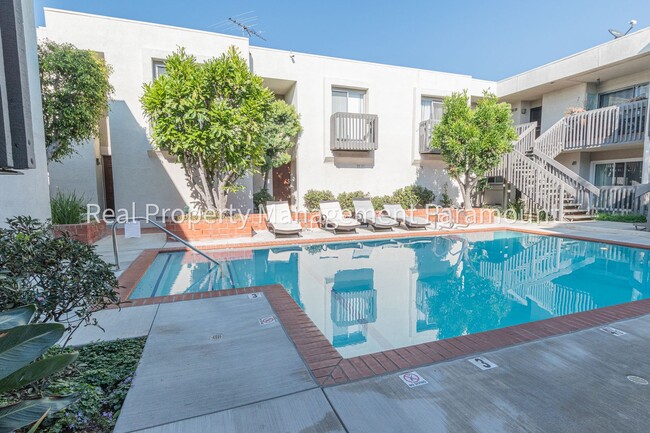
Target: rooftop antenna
x=248, y=29
x=617, y=34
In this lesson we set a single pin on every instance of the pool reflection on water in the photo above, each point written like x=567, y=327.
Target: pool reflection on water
x=383, y=294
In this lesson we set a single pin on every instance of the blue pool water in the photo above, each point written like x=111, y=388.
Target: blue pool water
x=377, y=295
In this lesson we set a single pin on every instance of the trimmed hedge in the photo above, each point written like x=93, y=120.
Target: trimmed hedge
x=412, y=196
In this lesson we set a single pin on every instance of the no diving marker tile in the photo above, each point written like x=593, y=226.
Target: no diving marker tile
x=613, y=331
x=412, y=379
x=257, y=295
x=482, y=363
x=267, y=321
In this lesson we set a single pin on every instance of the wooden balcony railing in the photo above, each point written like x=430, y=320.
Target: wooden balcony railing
x=426, y=132
x=354, y=131
x=625, y=123
x=621, y=199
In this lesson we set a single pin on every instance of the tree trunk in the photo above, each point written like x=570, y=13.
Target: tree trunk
x=266, y=179
x=221, y=196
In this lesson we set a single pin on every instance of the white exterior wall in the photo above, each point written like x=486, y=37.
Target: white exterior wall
x=140, y=174
x=145, y=176
x=28, y=194
x=392, y=93
x=554, y=104
x=77, y=174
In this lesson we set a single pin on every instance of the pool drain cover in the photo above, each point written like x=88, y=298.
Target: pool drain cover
x=217, y=336
x=638, y=380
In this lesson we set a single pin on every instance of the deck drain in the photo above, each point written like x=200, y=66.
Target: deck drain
x=638, y=380
x=217, y=336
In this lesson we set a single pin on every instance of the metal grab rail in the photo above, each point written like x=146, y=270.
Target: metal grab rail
x=188, y=245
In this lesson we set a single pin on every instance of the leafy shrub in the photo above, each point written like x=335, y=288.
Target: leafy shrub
x=101, y=377
x=517, y=206
x=261, y=197
x=64, y=278
x=445, y=200
x=621, y=218
x=413, y=196
x=313, y=197
x=23, y=344
x=379, y=201
x=68, y=208
x=345, y=199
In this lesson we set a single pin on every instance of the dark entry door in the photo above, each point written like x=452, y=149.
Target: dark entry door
x=109, y=193
x=282, y=183
x=536, y=116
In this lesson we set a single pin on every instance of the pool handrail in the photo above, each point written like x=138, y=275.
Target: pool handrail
x=178, y=238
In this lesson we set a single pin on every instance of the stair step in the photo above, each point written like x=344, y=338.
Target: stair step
x=584, y=217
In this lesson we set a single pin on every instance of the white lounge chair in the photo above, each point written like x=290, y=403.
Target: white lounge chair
x=332, y=218
x=365, y=213
x=397, y=212
x=279, y=219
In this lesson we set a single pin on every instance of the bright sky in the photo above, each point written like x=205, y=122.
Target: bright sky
x=489, y=39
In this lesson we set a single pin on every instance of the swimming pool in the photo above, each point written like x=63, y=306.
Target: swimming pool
x=377, y=295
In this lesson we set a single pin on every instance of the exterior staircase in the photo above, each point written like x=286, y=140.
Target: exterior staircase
x=545, y=184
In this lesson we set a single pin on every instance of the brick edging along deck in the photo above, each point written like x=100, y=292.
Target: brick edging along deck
x=329, y=367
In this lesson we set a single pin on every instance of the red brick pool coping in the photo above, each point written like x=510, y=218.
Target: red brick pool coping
x=329, y=367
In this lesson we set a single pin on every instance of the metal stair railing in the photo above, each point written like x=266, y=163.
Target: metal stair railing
x=179, y=239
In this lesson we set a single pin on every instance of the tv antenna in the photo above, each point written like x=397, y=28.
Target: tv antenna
x=243, y=22
x=248, y=29
x=618, y=34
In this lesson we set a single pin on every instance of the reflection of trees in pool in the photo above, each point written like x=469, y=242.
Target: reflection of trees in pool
x=464, y=304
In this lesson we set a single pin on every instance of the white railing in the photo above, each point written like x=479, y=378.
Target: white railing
x=425, y=133
x=551, y=142
x=620, y=199
x=623, y=123
x=525, y=131
x=586, y=193
x=353, y=131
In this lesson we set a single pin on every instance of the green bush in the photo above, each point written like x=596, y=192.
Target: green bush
x=621, y=218
x=445, y=200
x=68, y=208
x=313, y=198
x=64, y=278
x=345, y=199
x=260, y=198
x=414, y=196
x=101, y=377
x=379, y=201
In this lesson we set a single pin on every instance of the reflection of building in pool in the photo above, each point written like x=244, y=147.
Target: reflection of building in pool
x=436, y=259
x=560, y=275
x=354, y=305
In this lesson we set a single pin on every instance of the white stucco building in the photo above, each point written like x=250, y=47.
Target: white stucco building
x=364, y=123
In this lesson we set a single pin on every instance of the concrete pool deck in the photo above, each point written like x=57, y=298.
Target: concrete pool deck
x=209, y=365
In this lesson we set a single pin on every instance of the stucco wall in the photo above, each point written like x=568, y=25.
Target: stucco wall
x=140, y=174
x=554, y=104
x=28, y=194
x=144, y=176
x=64, y=174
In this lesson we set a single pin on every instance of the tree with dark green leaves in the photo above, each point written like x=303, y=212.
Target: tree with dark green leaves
x=281, y=128
x=76, y=89
x=211, y=116
x=473, y=141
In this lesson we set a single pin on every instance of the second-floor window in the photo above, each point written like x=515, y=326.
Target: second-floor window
x=159, y=68
x=623, y=95
x=348, y=101
x=431, y=109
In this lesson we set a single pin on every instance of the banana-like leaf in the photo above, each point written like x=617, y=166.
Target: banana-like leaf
x=16, y=317
x=19, y=346
x=39, y=422
x=35, y=371
x=26, y=412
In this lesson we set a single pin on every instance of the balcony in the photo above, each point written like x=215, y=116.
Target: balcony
x=354, y=131
x=625, y=123
x=426, y=131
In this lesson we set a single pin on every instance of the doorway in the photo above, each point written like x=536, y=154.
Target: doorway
x=109, y=192
x=282, y=183
x=536, y=116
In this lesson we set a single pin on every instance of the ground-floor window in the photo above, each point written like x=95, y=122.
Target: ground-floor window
x=617, y=173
